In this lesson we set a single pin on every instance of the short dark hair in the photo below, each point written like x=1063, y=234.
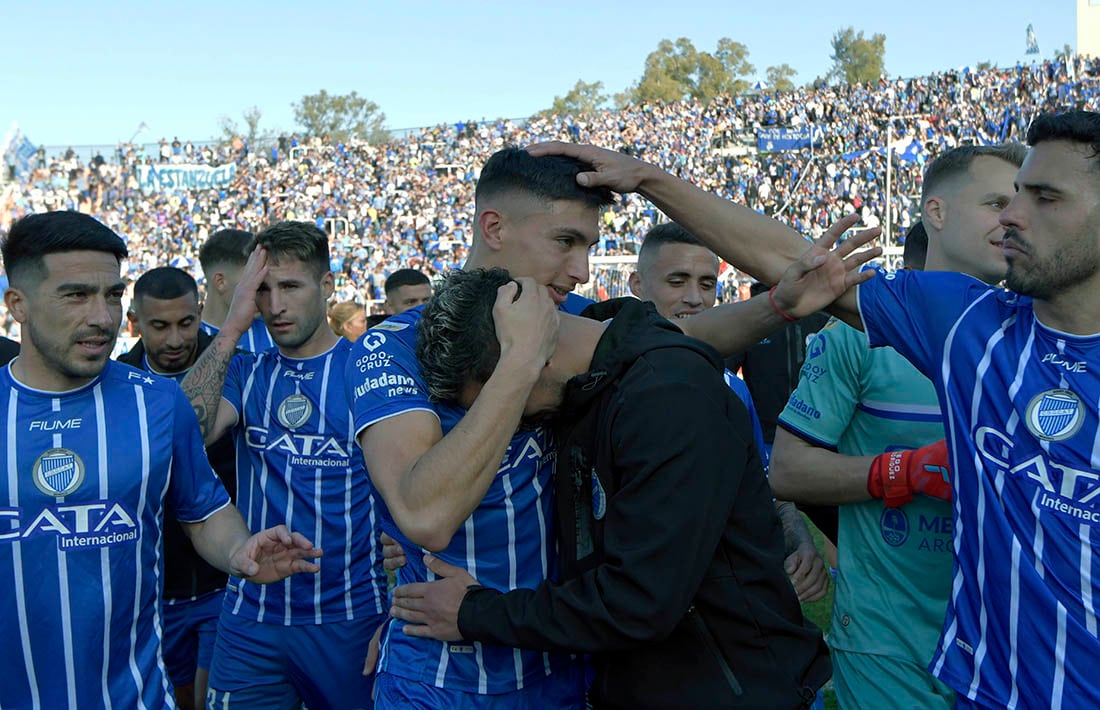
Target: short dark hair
x=224, y=247
x=1074, y=126
x=657, y=237
x=548, y=177
x=32, y=237
x=299, y=240
x=457, y=340
x=915, y=250
x=957, y=161
x=405, y=277
x=165, y=283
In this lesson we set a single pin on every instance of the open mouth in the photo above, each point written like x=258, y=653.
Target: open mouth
x=558, y=294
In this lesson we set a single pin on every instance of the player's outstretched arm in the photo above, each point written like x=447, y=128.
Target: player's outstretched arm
x=431, y=483
x=758, y=245
x=268, y=556
x=823, y=274
x=804, y=473
x=204, y=383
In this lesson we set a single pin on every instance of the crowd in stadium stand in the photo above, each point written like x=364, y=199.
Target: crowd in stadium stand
x=409, y=203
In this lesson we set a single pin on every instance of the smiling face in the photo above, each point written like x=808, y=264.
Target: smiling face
x=681, y=280
x=967, y=210
x=1052, y=237
x=70, y=319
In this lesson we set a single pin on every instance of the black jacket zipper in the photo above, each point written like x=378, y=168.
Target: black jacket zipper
x=712, y=646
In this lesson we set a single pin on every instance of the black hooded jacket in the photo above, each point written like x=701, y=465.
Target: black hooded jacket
x=672, y=555
x=187, y=575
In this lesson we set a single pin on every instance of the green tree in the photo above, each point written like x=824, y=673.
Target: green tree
x=583, y=98
x=677, y=70
x=251, y=115
x=857, y=59
x=985, y=66
x=341, y=117
x=780, y=77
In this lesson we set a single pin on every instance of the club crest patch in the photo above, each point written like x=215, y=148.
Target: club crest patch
x=599, y=497
x=58, y=472
x=894, y=526
x=294, y=411
x=1054, y=415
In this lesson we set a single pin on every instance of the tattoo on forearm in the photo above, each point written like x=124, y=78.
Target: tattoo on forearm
x=795, y=532
x=203, y=384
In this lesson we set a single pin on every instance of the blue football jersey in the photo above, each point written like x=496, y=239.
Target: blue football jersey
x=507, y=543
x=1020, y=405
x=575, y=303
x=82, y=499
x=740, y=389
x=256, y=339
x=296, y=466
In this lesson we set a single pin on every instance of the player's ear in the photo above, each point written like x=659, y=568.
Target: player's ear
x=16, y=301
x=328, y=285
x=935, y=212
x=134, y=325
x=635, y=283
x=490, y=223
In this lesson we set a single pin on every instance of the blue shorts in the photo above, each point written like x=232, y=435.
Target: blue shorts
x=561, y=692
x=189, y=630
x=273, y=666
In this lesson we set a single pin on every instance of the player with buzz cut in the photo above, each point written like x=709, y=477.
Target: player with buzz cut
x=165, y=313
x=222, y=258
x=1015, y=372
x=94, y=450
x=405, y=289
x=285, y=645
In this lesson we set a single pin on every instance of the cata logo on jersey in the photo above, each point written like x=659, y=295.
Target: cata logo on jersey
x=58, y=472
x=105, y=523
x=1054, y=415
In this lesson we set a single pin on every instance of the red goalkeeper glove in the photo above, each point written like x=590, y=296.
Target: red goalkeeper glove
x=896, y=475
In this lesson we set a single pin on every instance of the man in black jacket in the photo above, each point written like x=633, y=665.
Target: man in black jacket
x=671, y=553
x=165, y=313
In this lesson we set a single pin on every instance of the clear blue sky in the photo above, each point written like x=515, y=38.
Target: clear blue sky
x=89, y=72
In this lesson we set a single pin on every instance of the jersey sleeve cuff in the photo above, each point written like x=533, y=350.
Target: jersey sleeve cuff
x=806, y=436
x=369, y=423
